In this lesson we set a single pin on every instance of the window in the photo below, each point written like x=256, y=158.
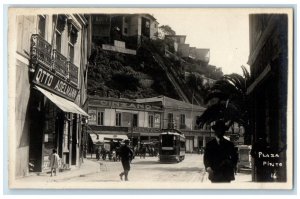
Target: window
x=100, y=118
x=156, y=120
x=135, y=120
x=125, y=30
x=72, y=39
x=147, y=24
x=182, y=121
x=126, y=20
x=118, y=119
x=42, y=26
x=58, y=41
x=60, y=21
x=71, y=52
x=170, y=117
x=151, y=121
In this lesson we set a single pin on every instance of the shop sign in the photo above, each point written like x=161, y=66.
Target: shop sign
x=146, y=130
x=50, y=81
x=124, y=105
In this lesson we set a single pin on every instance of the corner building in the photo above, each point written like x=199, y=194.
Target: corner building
x=50, y=89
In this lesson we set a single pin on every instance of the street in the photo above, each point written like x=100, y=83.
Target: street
x=190, y=170
x=149, y=170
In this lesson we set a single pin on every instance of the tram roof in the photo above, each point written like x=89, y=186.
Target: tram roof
x=172, y=132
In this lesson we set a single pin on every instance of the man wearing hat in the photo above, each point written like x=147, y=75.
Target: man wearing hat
x=220, y=157
x=126, y=155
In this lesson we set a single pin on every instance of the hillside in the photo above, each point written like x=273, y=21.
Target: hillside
x=150, y=73
x=119, y=75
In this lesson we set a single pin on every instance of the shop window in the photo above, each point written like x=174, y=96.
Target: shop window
x=118, y=119
x=151, y=121
x=42, y=26
x=100, y=118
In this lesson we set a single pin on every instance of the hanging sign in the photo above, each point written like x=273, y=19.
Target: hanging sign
x=51, y=82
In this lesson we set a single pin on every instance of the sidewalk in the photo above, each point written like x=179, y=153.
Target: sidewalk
x=87, y=167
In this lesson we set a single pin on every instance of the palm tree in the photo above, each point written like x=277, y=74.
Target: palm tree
x=227, y=100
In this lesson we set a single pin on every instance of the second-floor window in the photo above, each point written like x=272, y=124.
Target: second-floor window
x=151, y=121
x=135, y=120
x=170, y=117
x=60, y=26
x=58, y=41
x=72, y=39
x=182, y=121
x=100, y=118
x=71, y=52
x=118, y=119
x=42, y=26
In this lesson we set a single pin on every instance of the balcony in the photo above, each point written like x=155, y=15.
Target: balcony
x=40, y=52
x=73, y=73
x=60, y=64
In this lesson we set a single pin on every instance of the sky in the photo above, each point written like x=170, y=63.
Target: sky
x=225, y=32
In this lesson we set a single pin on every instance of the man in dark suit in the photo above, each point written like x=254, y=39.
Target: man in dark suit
x=220, y=156
x=126, y=155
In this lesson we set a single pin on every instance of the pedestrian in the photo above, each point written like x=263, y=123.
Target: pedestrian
x=98, y=153
x=126, y=155
x=220, y=156
x=54, y=159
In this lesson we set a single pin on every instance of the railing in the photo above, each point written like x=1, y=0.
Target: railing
x=73, y=73
x=60, y=64
x=40, y=52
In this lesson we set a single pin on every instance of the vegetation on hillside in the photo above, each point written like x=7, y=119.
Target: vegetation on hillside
x=119, y=75
x=113, y=74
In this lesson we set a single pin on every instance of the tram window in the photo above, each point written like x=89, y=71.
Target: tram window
x=182, y=144
x=167, y=141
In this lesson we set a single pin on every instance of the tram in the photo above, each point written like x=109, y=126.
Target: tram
x=172, y=146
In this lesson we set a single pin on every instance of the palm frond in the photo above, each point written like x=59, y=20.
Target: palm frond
x=246, y=73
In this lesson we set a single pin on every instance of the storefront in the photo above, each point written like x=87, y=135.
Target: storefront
x=139, y=122
x=56, y=121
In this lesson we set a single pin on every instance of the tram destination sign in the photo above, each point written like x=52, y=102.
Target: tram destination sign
x=51, y=82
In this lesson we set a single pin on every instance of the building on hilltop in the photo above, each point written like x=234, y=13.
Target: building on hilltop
x=127, y=28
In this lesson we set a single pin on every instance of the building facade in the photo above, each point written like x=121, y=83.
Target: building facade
x=50, y=69
x=182, y=116
x=114, y=118
x=268, y=62
x=142, y=120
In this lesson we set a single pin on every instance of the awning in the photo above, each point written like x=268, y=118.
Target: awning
x=102, y=137
x=63, y=104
